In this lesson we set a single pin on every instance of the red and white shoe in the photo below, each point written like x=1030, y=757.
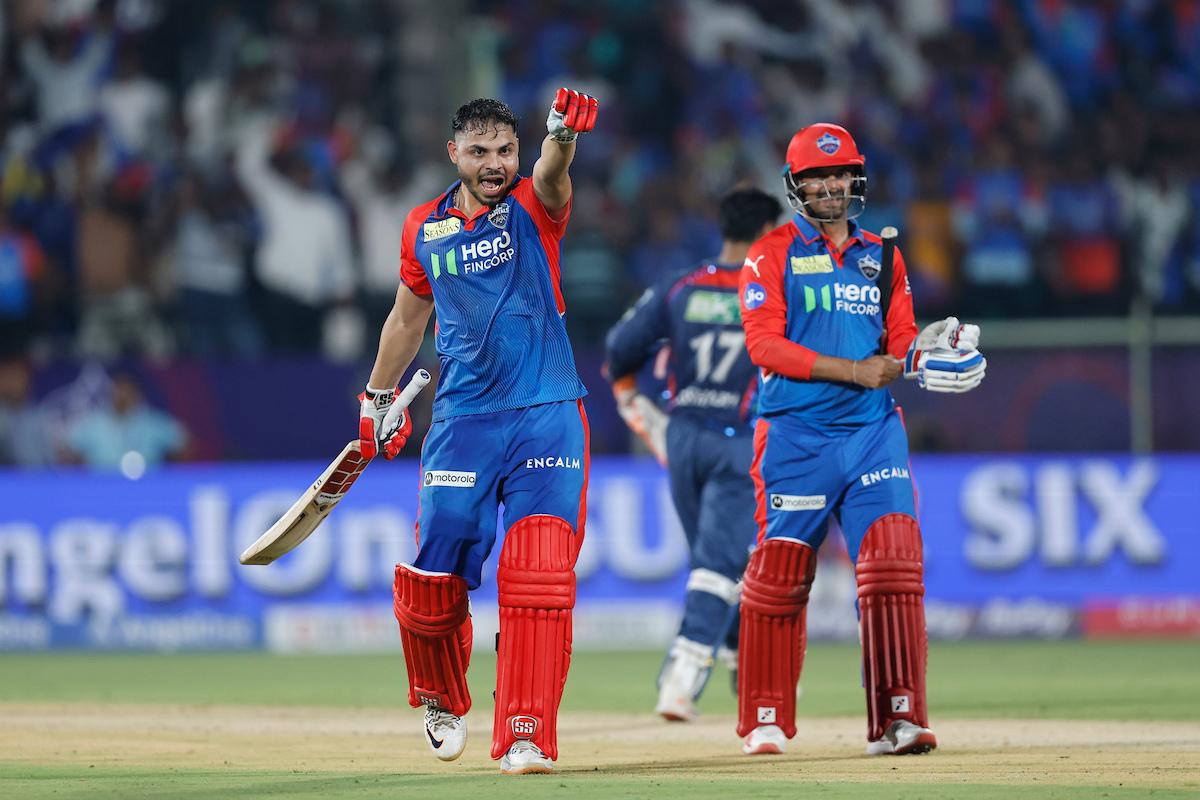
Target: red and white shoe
x=903, y=738
x=764, y=740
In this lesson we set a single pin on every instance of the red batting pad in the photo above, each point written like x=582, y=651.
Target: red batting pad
x=892, y=615
x=774, y=597
x=536, y=583
x=435, y=630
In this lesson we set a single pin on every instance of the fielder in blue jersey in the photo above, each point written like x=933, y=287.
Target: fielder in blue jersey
x=508, y=429
x=707, y=444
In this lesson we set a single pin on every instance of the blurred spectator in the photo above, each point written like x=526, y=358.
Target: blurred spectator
x=135, y=106
x=127, y=435
x=1031, y=84
x=997, y=216
x=305, y=261
x=66, y=77
x=1158, y=208
x=24, y=434
x=118, y=310
x=1084, y=226
x=212, y=239
x=22, y=279
x=382, y=197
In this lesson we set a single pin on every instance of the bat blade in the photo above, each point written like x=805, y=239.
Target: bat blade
x=309, y=510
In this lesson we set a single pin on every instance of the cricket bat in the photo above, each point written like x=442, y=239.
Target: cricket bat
x=311, y=509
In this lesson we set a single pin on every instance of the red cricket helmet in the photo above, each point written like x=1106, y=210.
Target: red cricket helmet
x=824, y=145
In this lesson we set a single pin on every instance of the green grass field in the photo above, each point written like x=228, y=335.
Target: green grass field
x=1040, y=720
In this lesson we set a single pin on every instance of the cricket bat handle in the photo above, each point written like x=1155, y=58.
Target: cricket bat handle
x=888, y=236
x=420, y=380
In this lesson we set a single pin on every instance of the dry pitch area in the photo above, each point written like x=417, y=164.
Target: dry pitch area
x=1016, y=720
x=1135, y=756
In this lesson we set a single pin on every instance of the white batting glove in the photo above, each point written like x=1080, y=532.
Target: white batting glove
x=571, y=114
x=948, y=334
x=946, y=370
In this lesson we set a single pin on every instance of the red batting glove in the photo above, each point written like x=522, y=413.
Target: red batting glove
x=573, y=113
x=396, y=440
x=383, y=426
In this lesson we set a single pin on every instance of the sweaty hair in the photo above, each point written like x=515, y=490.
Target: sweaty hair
x=744, y=212
x=481, y=114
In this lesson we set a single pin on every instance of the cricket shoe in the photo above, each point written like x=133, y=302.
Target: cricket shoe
x=446, y=732
x=902, y=738
x=525, y=758
x=764, y=740
x=675, y=703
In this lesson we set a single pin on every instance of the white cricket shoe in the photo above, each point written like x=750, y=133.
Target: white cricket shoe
x=446, y=732
x=901, y=738
x=525, y=758
x=764, y=740
x=675, y=702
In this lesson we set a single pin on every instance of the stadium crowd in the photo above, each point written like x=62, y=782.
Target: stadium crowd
x=221, y=179
x=228, y=180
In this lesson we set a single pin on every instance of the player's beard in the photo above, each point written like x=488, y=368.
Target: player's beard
x=481, y=191
x=829, y=209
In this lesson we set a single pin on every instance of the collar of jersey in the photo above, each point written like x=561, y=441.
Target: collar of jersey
x=445, y=206
x=811, y=233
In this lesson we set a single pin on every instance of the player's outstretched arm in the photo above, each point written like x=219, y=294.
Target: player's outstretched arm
x=571, y=114
x=399, y=342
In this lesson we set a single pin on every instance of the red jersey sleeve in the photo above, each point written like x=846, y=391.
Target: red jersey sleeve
x=411, y=272
x=901, y=324
x=764, y=310
x=549, y=226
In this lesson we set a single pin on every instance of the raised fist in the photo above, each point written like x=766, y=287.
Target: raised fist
x=573, y=113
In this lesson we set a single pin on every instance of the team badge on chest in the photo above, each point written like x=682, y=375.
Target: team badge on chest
x=498, y=216
x=869, y=267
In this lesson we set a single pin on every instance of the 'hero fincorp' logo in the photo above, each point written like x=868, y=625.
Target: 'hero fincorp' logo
x=474, y=256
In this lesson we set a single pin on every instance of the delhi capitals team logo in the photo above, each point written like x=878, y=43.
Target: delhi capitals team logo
x=498, y=216
x=869, y=267
x=829, y=144
x=754, y=296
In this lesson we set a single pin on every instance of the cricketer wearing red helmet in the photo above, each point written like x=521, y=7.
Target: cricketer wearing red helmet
x=830, y=441
x=508, y=428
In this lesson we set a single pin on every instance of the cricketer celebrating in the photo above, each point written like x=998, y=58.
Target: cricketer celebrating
x=508, y=427
x=830, y=440
x=707, y=444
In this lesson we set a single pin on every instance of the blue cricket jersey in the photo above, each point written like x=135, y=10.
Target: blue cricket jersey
x=697, y=314
x=496, y=287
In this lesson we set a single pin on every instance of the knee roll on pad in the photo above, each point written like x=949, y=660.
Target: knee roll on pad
x=536, y=583
x=435, y=631
x=891, y=601
x=771, y=653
